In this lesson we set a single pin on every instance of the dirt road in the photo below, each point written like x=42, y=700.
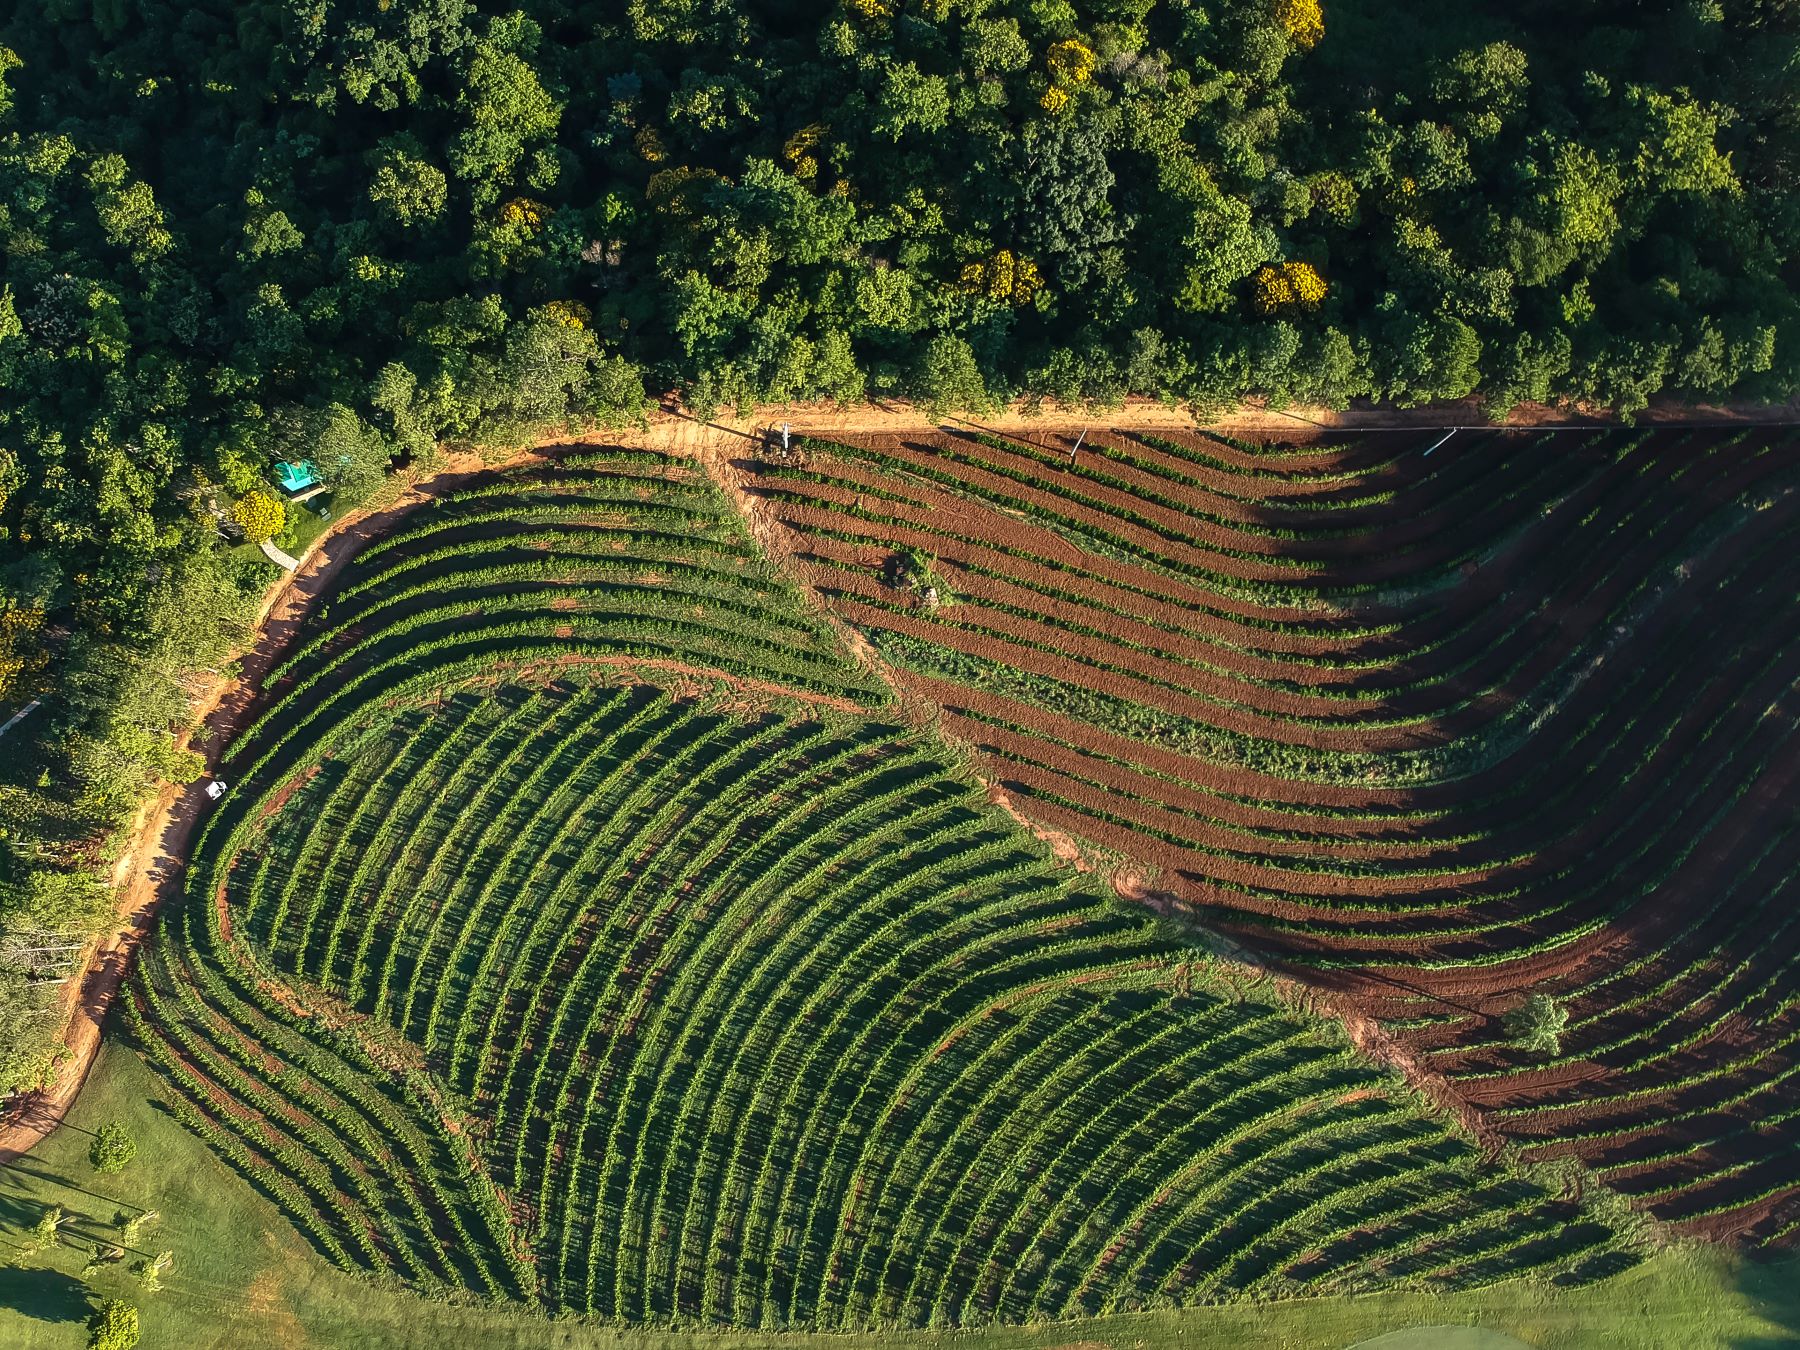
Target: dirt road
x=148, y=873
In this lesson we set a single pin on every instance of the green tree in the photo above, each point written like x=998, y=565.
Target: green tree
x=405, y=187
x=45, y=1233
x=947, y=378
x=132, y=1226
x=114, y=1326
x=1431, y=358
x=1063, y=182
x=503, y=104
x=1537, y=1025
x=1483, y=88
x=149, y=1271
x=113, y=1148
x=127, y=211
x=103, y=1257
x=911, y=100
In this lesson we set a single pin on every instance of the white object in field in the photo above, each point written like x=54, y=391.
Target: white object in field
x=20, y=716
x=784, y=438
x=1447, y=435
x=216, y=788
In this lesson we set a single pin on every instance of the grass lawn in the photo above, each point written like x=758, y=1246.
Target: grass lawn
x=302, y=526
x=242, y=1276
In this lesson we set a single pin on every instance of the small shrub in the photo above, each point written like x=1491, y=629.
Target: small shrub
x=149, y=1272
x=114, y=1326
x=45, y=1234
x=1537, y=1025
x=112, y=1148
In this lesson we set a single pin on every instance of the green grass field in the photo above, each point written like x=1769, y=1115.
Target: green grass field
x=243, y=1277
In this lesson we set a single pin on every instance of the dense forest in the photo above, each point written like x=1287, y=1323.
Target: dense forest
x=347, y=231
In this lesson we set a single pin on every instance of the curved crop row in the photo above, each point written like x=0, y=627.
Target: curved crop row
x=646, y=974
x=1437, y=729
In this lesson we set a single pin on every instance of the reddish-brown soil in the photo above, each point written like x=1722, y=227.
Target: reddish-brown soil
x=1660, y=767
x=1439, y=594
x=149, y=871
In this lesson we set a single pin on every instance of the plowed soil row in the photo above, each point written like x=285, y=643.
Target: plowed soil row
x=1535, y=621
x=1655, y=767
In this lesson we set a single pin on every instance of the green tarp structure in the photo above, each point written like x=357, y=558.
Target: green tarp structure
x=296, y=477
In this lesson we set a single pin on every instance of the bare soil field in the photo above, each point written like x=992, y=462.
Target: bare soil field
x=1433, y=725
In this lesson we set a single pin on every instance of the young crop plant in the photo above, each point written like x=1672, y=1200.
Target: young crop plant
x=1537, y=1024
x=1333, y=693
x=635, y=964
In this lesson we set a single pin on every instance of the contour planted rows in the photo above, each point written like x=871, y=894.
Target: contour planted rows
x=1437, y=729
x=577, y=936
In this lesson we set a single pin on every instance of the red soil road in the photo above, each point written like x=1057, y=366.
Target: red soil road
x=149, y=870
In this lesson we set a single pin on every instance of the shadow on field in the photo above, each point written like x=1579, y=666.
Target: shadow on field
x=46, y=1295
x=12, y=1188
x=1773, y=1288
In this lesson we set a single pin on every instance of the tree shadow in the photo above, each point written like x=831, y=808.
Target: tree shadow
x=28, y=1167
x=1772, y=1284
x=44, y=1294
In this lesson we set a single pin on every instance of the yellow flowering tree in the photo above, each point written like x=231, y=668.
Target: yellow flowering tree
x=1284, y=288
x=260, y=514
x=1301, y=20
x=1004, y=278
x=1071, y=65
x=523, y=214
x=569, y=313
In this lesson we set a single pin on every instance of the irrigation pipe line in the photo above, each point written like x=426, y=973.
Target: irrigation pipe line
x=21, y=715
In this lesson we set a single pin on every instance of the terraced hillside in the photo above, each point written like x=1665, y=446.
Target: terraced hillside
x=581, y=928
x=1440, y=725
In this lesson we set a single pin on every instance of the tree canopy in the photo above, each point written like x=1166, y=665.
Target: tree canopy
x=345, y=231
